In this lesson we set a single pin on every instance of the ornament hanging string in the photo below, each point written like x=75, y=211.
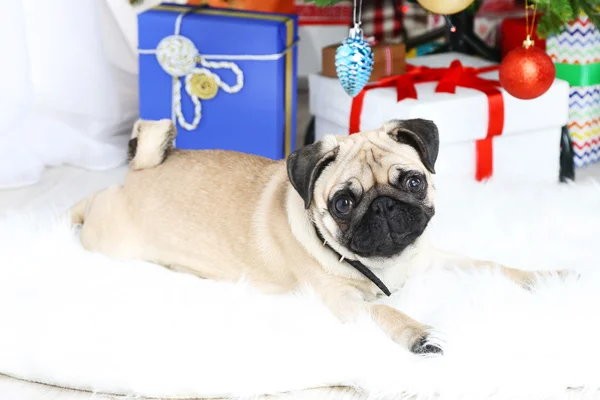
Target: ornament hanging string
x=529, y=27
x=357, y=14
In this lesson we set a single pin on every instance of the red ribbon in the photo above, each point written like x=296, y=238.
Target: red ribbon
x=448, y=80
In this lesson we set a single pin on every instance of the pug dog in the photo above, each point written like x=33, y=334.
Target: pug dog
x=347, y=216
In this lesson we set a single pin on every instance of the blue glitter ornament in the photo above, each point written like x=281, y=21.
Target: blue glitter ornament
x=354, y=62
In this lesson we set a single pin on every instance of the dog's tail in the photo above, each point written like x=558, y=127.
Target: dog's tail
x=150, y=143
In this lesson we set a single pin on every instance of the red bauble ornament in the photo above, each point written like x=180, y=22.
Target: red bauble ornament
x=527, y=72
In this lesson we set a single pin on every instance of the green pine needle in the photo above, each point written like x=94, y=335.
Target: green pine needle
x=558, y=13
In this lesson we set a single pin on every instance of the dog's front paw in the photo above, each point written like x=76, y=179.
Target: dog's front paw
x=425, y=342
x=412, y=335
x=529, y=279
x=424, y=346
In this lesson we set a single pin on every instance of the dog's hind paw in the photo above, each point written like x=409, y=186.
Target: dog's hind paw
x=425, y=346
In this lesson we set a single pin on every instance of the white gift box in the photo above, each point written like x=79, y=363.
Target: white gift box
x=527, y=150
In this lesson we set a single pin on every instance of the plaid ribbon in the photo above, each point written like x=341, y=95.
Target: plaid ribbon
x=382, y=19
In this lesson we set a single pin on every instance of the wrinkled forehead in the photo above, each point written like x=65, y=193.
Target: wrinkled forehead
x=372, y=158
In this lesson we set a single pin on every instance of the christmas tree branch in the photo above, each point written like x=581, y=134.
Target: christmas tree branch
x=558, y=13
x=591, y=9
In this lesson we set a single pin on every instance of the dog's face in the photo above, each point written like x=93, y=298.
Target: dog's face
x=369, y=194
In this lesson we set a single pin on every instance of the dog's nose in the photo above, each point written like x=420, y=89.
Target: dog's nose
x=382, y=206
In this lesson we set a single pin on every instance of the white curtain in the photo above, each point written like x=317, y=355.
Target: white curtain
x=68, y=88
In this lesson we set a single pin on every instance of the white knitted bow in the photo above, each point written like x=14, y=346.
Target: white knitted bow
x=179, y=57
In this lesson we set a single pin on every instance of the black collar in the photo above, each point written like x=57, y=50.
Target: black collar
x=360, y=267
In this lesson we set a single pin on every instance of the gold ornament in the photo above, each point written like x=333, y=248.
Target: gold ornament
x=203, y=86
x=445, y=7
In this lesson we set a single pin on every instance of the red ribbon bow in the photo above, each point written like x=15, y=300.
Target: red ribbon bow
x=448, y=80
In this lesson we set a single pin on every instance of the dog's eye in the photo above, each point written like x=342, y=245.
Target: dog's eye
x=414, y=184
x=343, y=205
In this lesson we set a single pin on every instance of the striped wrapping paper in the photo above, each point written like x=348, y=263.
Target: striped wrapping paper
x=576, y=52
x=578, y=43
x=584, y=123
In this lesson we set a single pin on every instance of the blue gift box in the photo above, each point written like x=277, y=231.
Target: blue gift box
x=228, y=78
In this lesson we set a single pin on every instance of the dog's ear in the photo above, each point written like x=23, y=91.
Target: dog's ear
x=304, y=166
x=420, y=134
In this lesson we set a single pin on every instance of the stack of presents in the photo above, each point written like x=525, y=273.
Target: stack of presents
x=229, y=79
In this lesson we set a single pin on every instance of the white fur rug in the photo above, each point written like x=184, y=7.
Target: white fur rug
x=80, y=320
